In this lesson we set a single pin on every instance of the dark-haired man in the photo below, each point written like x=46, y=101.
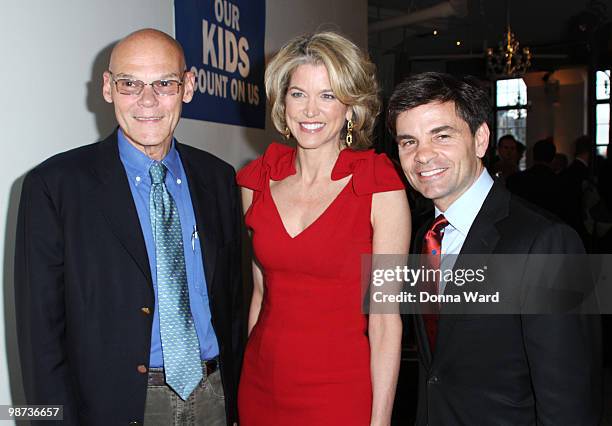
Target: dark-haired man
x=127, y=265
x=496, y=369
x=539, y=184
x=509, y=151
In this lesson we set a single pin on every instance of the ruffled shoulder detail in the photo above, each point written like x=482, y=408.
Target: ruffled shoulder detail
x=276, y=163
x=371, y=172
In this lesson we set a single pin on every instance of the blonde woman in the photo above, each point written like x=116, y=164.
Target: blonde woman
x=313, y=358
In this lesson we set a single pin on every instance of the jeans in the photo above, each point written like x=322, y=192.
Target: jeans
x=204, y=407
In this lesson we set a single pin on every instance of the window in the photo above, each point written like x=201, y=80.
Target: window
x=511, y=108
x=602, y=111
x=511, y=111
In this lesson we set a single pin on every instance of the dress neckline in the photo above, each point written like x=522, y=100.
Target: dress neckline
x=283, y=166
x=317, y=220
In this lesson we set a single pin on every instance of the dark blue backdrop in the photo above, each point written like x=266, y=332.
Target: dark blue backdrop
x=214, y=99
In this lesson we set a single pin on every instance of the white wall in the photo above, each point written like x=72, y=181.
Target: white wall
x=53, y=54
x=284, y=19
x=561, y=113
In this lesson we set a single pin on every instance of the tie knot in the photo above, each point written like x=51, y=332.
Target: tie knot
x=439, y=224
x=157, y=171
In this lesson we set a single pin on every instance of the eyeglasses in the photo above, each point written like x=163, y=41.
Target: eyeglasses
x=128, y=86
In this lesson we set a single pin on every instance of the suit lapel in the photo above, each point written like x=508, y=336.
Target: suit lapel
x=484, y=233
x=481, y=240
x=117, y=204
x=204, y=206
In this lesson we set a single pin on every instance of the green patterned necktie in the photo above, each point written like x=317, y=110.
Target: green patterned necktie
x=180, y=344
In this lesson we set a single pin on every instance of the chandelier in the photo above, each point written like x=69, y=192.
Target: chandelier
x=509, y=60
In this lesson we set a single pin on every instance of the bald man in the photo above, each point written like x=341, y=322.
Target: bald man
x=127, y=267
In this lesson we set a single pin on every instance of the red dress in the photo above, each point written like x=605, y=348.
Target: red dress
x=307, y=361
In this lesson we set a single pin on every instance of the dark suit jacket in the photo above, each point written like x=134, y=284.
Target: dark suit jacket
x=82, y=282
x=538, y=185
x=511, y=369
x=572, y=180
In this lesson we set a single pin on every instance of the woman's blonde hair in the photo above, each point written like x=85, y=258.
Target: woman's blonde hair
x=351, y=75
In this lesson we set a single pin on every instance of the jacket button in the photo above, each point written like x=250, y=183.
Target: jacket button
x=433, y=380
x=142, y=369
x=145, y=310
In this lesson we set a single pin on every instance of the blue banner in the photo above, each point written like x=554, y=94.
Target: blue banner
x=224, y=47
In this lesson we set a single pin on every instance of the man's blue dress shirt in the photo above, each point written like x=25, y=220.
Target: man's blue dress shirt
x=136, y=165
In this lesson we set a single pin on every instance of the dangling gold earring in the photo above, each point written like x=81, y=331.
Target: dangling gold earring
x=287, y=133
x=349, y=133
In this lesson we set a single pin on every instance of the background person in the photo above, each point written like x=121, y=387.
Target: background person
x=509, y=154
x=539, y=184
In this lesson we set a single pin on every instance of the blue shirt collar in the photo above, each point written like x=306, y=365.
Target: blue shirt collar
x=463, y=211
x=138, y=163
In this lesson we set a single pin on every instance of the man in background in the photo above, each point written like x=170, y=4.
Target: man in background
x=539, y=184
x=575, y=180
x=128, y=262
x=509, y=152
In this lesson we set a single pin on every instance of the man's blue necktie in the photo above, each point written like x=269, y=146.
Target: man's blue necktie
x=180, y=343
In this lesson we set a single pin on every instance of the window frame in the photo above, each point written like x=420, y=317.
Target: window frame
x=605, y=101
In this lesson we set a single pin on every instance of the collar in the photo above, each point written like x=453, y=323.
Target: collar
x=138, y=163
x=462, y=212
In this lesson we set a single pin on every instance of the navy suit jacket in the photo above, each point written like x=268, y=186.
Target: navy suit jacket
x=511, y=370
x=84, y=297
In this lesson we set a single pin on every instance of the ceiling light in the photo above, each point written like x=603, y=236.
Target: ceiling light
x=509, y=60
